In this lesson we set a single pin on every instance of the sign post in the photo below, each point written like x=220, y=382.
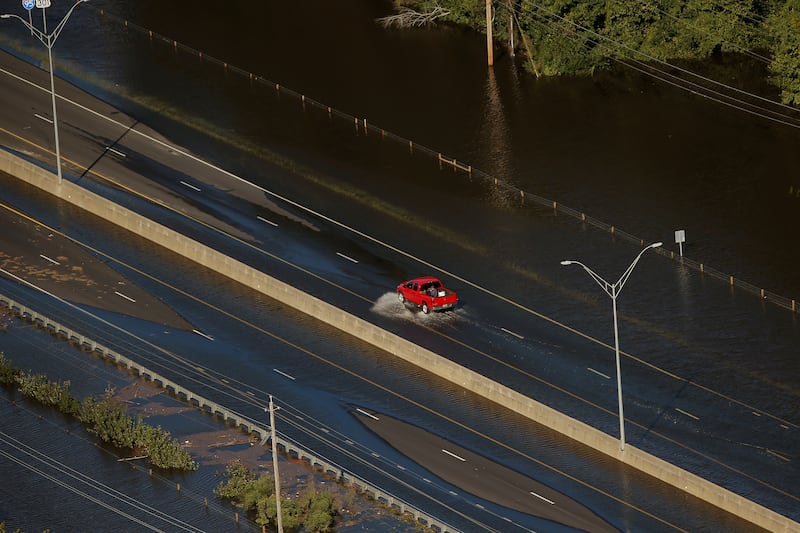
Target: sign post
x=680, y=238
x=28, y=5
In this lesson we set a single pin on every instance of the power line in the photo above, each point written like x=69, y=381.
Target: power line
x=589, y=38
x=121, y=496
x=53, y=464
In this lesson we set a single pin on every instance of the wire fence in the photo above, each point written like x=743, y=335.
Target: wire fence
x=512, y=194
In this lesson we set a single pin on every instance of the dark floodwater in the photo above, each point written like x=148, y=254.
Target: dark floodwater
x=637, y=154
x=626, y=149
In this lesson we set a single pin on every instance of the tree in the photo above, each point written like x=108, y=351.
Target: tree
x=784, y=26
x=315, y=511
x=237, y=480
x=8, y=374
x=577, y=37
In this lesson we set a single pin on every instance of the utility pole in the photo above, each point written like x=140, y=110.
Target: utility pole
x=510, y=26
x=489, y=51
x=275, y=465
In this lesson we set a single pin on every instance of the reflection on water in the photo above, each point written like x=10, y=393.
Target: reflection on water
x=497, y=132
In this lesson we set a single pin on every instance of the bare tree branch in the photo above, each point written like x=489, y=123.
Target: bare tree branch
x=408, y=18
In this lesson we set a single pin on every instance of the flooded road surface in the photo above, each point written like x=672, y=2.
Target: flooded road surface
x=643, y=157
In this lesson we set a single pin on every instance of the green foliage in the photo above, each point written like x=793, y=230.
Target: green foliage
x=262, y=487
x=313, y=510
x=576, y=37
x=159, y=446
x=237, y=480
x=291, y=515
x=18, y=530
x=320, y=512
x=110, y=421
x=107, y=419
x=266, y=510
x=49, y=393
x=637, y=26
x=563, y=35
x=8, y=374
x=466, y=12
x=784, y=25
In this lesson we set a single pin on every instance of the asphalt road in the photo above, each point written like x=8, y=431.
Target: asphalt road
x=39, y=256
x=477, y=475
x=34, y=254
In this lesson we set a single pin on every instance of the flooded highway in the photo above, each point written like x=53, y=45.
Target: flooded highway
x=704, y=365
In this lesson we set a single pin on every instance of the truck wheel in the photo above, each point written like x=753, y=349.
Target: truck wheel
x=400, y=297
x=425, y=308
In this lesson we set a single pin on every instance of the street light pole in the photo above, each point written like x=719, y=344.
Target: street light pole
x=613, y=291
x=49, y=40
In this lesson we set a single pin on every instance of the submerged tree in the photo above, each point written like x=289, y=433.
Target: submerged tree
x=313, y=510
x=108, y=419
x=576, y=38
x=784, y=25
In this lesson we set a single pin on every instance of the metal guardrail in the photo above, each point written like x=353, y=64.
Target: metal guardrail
x=362, y=127
x=231, y=417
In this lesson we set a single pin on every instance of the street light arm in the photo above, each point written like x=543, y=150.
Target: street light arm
x=47, y=39
x=39, y=34
x=625, y=275
x=606, y=286
x=57, y=31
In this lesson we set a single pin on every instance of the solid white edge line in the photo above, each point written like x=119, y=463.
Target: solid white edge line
x=551, y=502
x=517, y=335
x=590, y=369
x=262, y=219
x=363, y=412
x=124, y=296
x=284, y=374
x=121, y=154
x=48, y=259
x=451, y=454
x=198, y=189
x=209, y=337
x=690, y=415
x=348, y=258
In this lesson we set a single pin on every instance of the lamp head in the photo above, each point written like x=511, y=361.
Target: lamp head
x=565, y=263
x=5, y=16
x=656, y=244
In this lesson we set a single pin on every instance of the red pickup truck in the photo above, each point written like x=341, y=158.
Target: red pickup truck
x=427, y=293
